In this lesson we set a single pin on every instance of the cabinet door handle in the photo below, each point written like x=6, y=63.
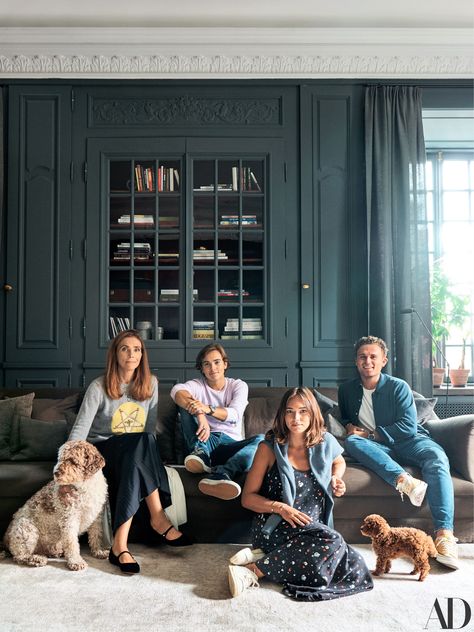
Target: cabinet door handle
x=7, y=287
x=305, y=286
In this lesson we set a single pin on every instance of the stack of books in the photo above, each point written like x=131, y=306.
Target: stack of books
x=168, y=221
x=139, y=220
x=203, y=329
x=229, y=295
x=205, y=254
x=168, y=257
x=172, y=295
x=234, y=220
x=251, y=329
x=141, y=252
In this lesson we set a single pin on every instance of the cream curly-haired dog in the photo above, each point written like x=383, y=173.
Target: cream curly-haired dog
x=50, y=522
x=392, y=542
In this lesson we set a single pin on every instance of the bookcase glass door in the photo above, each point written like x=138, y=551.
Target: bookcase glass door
x=144, y=246
x=229, y=248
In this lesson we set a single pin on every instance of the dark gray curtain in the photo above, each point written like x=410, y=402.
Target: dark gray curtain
x=398, y=273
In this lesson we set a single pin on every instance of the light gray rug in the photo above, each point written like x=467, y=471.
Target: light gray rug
x=186, y=591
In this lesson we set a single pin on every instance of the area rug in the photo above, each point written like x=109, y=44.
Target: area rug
x=185, y=590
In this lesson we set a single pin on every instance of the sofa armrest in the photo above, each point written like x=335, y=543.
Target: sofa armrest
x=456, y=436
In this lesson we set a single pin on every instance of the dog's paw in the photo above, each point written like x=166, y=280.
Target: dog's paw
x=101, y=554
x=77, y=565
x=32, y=560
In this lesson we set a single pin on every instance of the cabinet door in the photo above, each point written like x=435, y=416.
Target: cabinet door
x=333, y=294
x=37, y=347
x=135, y=247
x=236, y=271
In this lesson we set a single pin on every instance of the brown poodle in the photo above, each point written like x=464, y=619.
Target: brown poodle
x=50, y=522
x=392, y=542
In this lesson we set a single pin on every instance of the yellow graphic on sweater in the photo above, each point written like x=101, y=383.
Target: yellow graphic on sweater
x=129, y=417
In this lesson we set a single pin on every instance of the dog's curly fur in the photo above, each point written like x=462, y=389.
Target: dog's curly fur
x=392, y=542
x=50, y=522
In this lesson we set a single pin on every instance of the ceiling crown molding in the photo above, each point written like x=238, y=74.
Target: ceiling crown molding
x=235, y=53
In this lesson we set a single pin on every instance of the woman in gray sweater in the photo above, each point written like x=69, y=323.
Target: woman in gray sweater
x=118, y=415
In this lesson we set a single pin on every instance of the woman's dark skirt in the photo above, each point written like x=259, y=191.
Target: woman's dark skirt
x=133, y=469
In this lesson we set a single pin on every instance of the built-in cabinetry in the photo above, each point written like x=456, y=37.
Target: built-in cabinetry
x=191, y=212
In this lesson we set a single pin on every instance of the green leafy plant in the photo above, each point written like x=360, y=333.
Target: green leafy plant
x=448, y=310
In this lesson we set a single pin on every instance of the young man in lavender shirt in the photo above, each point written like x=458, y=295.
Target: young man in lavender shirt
x=211, y=410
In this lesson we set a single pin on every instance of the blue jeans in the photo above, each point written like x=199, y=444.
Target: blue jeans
x=420, y=451
x=227, y=455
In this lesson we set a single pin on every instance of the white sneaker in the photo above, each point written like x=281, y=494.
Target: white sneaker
x=246, y=556
x=241, y=578
x=447, y=551
x=413, y=488
x=219, y=486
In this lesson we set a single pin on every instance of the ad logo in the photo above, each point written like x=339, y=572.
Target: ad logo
x=454, y=616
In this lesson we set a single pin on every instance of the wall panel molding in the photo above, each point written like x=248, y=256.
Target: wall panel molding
x=77, y=52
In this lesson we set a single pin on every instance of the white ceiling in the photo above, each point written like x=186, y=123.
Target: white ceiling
x=245, y=13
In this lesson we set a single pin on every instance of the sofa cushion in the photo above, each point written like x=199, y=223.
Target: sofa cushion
x=167, y=430
x=259, y=414
x=36, y=440
x=8, y=409
x=55, y=409
x=325, y=403
x=456, y=436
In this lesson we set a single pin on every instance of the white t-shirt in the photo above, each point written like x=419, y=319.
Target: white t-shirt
x=366, y=410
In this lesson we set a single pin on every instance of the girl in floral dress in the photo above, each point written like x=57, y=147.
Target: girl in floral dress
x=295, y=473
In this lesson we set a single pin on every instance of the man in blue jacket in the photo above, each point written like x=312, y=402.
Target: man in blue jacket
x=383, y=433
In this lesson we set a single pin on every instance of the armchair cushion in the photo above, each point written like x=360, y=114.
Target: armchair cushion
x=456, y=436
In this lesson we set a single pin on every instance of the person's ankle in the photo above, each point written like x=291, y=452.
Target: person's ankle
x=446, y=533
x=254, y=568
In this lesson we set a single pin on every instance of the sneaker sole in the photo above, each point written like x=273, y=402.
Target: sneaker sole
x=224, y=490
x=245, y=556
x=242, y=557
x=233, y=585
x=448, y=561
x=418, y=494
x=195, y=465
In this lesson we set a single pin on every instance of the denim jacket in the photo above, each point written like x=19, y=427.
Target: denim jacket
x=394, y=408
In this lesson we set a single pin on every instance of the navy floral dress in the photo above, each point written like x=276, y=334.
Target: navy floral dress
x=314, y=563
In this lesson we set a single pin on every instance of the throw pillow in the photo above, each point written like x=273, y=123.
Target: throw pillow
x=8, y=409
x=425, y=409
x=325, y=403
x=35, y=440
x=335, y=427
x=456, y=436
x=54, y=409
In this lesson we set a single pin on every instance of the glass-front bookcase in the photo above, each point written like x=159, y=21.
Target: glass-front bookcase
x=145, y=247
x=228, y=248
x=185, y=244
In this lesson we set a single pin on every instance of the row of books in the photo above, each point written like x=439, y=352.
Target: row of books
x=172, y=295
x=143, y=221
x=243, y=179
x=141, y=251
x=166, y=179
x=251, y=329
x=118, y=324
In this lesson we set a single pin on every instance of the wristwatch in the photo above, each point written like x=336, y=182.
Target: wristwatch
x=371, y=436
x=212, y=410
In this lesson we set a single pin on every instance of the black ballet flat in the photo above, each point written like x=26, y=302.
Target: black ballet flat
x=131, y=568
x=183, y=540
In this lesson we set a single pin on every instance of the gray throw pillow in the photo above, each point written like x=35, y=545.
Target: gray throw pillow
x=35, y=440
x=8, y=409
x=425, y=409
x=325, y=403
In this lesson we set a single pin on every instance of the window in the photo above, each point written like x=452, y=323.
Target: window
x=450, y=207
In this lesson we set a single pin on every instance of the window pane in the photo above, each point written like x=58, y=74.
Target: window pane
x=429, y=176
x=455, y=174
x=455, y=206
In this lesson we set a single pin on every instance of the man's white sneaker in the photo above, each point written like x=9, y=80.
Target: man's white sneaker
x=447, y=551
x=241, y=578
x=246, y=556
x=197, y=462
x=219, y=486
x=413, y=488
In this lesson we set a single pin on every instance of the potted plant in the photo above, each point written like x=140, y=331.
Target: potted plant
x=448, y=311
x=458, y=377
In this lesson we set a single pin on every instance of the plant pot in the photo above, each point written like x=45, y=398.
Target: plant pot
x=458, y=377
x=438, y=375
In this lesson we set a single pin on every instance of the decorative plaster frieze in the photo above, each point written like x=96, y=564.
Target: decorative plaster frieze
x=217, y=53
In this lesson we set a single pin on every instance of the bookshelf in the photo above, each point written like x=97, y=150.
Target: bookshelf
x=144, y=246
x=228, y=246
